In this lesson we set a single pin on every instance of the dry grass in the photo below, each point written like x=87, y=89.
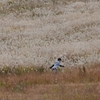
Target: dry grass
x=40, y=34
x=75, y=84
x=57, y=92
x=35, y=33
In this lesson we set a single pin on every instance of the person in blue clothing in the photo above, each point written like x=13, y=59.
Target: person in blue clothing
x=55, y=66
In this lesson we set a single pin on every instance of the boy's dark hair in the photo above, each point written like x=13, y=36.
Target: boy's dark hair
x=59, y=59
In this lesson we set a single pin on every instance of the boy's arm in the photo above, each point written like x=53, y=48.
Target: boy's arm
x=61, y=65
x=51, y=66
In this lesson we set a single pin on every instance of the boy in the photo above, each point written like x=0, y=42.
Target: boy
x=56, y=65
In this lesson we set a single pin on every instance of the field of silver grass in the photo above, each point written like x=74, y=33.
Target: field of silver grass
x=36, y=35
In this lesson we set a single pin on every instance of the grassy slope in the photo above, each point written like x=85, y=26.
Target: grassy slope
x=71, y=85
x=57, y=92
x=37, y=35
x=34, y=34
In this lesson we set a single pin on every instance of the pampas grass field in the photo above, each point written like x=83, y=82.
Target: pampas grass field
x=34, y=33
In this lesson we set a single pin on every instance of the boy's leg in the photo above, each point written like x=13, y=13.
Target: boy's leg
x=54, y=70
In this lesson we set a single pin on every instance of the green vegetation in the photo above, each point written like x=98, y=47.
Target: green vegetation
x=20, y=70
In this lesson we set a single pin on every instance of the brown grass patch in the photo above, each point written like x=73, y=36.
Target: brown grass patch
x=74, y=84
